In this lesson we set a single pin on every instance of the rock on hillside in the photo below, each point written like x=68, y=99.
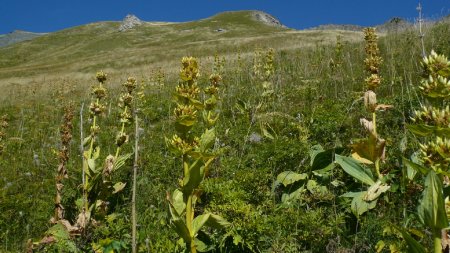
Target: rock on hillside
x=129, y=22
x=394, y=25
x=17, y=36
x=267, y=19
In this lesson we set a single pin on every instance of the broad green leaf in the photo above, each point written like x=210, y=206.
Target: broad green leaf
x=322, y=159
x=59, y=231
x=96, y=153
x=199, y=221
x=413, y=245
x=91, y=164
x=207, y=140
x=120, y=161
x=178, y=202
x=217, y=222
x=286, y=198
x=314, y=150
x=420, y=130
x=413, y=168
x=426, y=130
x=194, y=177
x=355, y=169
x=86, y=140
x=431, y=209
x=178, y=224
x=118, y=187
x=200, y=245
x=288, y=177
x=376, y=190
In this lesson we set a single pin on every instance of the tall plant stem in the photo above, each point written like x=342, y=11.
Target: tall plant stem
x=86, y=164
x=189, y=218
x=121, y=131
x=189, y=209
x=133, y=197
x=82, y=149
x=437, y=241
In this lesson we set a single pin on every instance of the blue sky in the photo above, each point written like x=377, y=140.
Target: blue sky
x=53, y=15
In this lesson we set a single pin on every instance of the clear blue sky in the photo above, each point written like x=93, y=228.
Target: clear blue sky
x=53, y=15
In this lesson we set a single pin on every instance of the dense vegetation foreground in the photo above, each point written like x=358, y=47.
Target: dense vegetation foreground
x=338, y=147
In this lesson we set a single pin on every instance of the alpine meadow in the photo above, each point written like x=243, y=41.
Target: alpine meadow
x=232, y=133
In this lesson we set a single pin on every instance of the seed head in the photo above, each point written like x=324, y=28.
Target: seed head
x=96, y=108
x=101, y=77
x=99, y=91
x=130, y=84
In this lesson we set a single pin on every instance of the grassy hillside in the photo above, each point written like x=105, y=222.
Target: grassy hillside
x=79, y=51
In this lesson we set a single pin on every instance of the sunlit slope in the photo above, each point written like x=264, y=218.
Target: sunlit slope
x=88, y=48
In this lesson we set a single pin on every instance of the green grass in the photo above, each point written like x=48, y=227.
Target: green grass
x=84, y=49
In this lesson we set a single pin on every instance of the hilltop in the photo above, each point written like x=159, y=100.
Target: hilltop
x=17, y=36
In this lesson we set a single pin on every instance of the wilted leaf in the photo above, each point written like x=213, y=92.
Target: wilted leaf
x=382, y=107
x=370, y=148
x=376, y=190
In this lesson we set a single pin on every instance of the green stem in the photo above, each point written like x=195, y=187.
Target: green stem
x=86, y=165
x=189, y=209
x=122, y=130
x=437, y=241
x=133, y=197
